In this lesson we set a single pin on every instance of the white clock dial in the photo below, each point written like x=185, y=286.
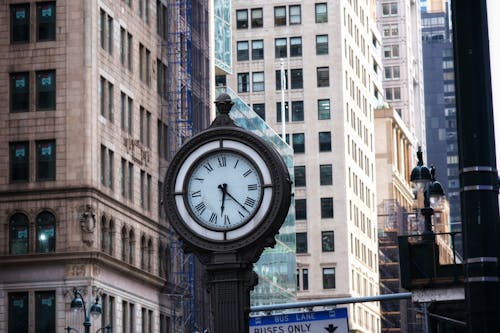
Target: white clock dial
x=223, y=190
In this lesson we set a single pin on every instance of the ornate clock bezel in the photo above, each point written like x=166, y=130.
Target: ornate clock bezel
x=276, y=191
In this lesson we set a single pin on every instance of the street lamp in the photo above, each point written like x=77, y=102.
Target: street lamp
x=95, y=310
x=425, y=179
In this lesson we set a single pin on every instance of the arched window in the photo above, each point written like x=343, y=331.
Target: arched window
x=104, y=229
x=111, y=234
x=150, y=255
x=143, y=252
x=19, y=234
x=45, y=232
x=124, y=244
x=131, y=244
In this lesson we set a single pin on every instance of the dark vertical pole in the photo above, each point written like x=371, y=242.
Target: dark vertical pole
x=479, y=180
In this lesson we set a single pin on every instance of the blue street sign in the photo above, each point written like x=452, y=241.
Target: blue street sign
x=331, y=321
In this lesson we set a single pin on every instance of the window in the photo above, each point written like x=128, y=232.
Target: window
x=323, y=76
x=390, y=30
x=325, y=174
x=19, y=161
x=296, y=81
x=126, y=109
x=46, y=160
x=305, y=279
x=129, y=52
x=326, y=208
x=294, y=13
x=131, y=246
x=278, y=112
x=391, y=51
x=327, y=241
x=243, y=82
x=106, y=95
x=20, y=23
x=257, y=49
x=242, y=51
x=258, y=81
x=108, y=310
x=280, y=48
x=325, y=141
x=278, y=79
x=297, y=111
x=162, y=79
x=279, y=15
x=295, y=46
x=45, y=311
x=46, y=21
x=18, y=312
x=18, y=234
x=144, y=10
x=323, y=109
x=161, y=19
x=242, y=19
x=392, y=72
x=393, y=94
x=260, y=109
x=321, y=13
x=45, y=232
x=107, y=167
x=298, y=140
x=144, y=127
x=300, y=175
x=106, y=32
x=19, y=92
x=390, y=9
x=46, y=90
x=257, y=18
x=301, y=242
x=321, y=44
x=130, y=181
x=329, y=278
x=300, y=209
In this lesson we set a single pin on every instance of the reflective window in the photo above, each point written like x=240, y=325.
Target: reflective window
x=300, y=209
x=19, y=161
x=45, y=232
x=242, y=19
x=321, y=44
x=20, y=23
x=295, y=46
x=298, y=142
x=297, y=111
x=321, y=13
x=19, y=92
x=46, y=160
x=301, y=242
x=325, y=141
x=18, y=312
x=257, y=18
x=242, y=51
x=325, y=174
x=45, y=311
x=327, y=241
x=46, y=21
x=296, y=81
x=300, y=175
x=295, y=16
x=329, y=278
x=260, y=109
x=323, y=109
x=257, y=49
x=279, y=15
x=323, y=76
x=46, y=90
x=258, y=81
x=280, y=48
x=326, y=208
x=19, y=234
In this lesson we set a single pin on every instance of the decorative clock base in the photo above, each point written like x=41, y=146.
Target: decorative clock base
x=229, y=285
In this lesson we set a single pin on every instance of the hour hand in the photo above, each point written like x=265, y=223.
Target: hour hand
x=222, y=187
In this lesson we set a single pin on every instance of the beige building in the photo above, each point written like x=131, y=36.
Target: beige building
x=330, y=53
x=96, y=95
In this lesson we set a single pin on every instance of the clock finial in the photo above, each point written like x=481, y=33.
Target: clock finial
x=224, y=103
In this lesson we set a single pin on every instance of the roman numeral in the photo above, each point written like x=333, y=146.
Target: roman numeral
x=213, y=218
x=222, y=161
x=252, y=187
x=200, y=179
x=249, y=171
x=241, y=214
x=196, y=194
x=235, y=164
x=200, y=208
x=250, y=202
x=226, y=220
x=208, y=166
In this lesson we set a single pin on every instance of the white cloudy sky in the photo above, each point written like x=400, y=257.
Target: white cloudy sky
x=494, y=35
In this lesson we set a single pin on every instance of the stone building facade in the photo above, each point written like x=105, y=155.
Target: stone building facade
x=90, y=92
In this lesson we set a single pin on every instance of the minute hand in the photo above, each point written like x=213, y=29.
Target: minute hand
x=239, y=203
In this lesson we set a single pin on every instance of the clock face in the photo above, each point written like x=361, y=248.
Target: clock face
x=223, y=190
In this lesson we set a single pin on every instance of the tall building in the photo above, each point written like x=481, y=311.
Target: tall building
x=332, y=84
x=440, y=106
x=399, y=24
x=400, y=129
x=97, y=96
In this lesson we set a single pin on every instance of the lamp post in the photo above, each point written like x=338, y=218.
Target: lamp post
x=95, y=310
x=426, y=179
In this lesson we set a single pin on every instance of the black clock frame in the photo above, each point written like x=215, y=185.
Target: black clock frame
x=280, y=200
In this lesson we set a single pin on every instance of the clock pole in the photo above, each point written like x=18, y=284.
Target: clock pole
x=201, y=189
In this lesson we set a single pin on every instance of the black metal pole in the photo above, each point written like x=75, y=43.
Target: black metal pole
x=479, y=179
